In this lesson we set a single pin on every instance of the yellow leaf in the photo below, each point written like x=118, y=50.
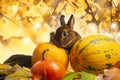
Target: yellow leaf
x=35, y=2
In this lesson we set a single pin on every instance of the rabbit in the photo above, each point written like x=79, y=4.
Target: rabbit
x=65, y=36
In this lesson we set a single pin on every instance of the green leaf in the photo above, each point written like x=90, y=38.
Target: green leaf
x=83, y=76
x=87, y=76
x=71, y=75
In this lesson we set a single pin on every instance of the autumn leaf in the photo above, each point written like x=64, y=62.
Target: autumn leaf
x=35, y=2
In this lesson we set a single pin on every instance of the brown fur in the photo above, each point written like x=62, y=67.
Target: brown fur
x=65, y=36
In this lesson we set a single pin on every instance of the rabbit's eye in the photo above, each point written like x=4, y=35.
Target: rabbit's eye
x=64, y=34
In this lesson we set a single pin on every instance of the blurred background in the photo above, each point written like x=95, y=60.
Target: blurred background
x=26, y=23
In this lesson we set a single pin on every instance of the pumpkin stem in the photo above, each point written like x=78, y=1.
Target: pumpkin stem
x=43, y=54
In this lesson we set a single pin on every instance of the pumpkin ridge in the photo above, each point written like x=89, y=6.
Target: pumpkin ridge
x=95, y=53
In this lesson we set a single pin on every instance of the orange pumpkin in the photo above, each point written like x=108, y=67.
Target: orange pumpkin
x=47, y=69
x=54, y=53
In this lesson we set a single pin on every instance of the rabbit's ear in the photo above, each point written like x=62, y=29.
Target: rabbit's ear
x=62, y=20
x=71, y=21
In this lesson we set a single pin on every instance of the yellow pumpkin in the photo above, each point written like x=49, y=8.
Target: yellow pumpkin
x=54, y=53
x=94, y=53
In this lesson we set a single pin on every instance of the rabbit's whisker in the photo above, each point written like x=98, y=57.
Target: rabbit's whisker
x=67, y=43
